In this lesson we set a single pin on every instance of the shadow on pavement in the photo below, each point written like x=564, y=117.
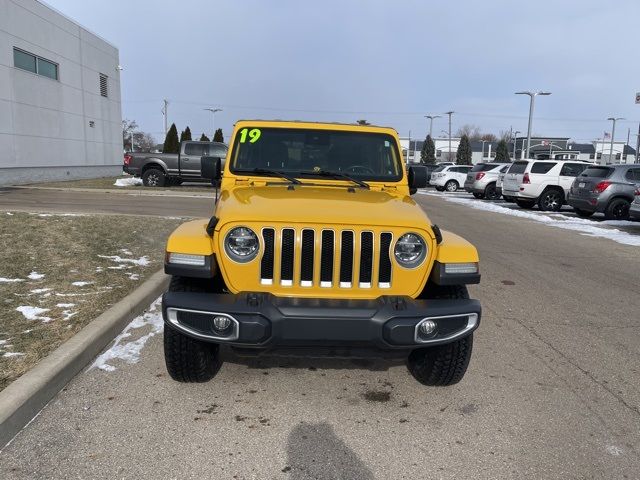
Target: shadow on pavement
x=315, y=451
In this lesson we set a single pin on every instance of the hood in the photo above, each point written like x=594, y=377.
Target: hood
x=319, y=205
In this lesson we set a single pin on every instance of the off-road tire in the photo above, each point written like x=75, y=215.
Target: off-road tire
x=528, y=204
x=479, y=196
x=154, y=177
x=442, y=365
x=618, y=209
x=583, y=213
x=551, y=200
x=187, y=359
x=451, y=186
x=491, y=193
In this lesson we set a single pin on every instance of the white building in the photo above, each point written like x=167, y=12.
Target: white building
x=60, y=111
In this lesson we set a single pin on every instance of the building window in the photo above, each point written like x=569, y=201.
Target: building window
x=104, y=85
x=599, y=156
x=617, y=156
x=34, y=64
x=592, y=156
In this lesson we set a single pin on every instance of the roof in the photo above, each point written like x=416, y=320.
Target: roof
x=307, y=124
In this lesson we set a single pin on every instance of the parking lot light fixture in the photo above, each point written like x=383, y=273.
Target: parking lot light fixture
x=532, y=97
x=431, y=117
x=613, y=134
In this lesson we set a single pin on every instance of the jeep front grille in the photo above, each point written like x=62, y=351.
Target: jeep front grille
x=341, y=255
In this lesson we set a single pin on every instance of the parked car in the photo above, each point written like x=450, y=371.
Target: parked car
x=164, y=169
x=634, y=211
x=481, y=180
x=542, y=182
x=449, y=177
x=499, y=182
x=607, y=189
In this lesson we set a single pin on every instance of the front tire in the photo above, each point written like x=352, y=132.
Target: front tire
x=618, y=209
x=491, y=193
x=187, y=359
x=451, y=186
x=442, y=365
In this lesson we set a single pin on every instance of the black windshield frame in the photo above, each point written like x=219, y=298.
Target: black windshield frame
x=394, y=158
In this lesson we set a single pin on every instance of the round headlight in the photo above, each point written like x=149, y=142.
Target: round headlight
x=241, y=244
x=410, y=250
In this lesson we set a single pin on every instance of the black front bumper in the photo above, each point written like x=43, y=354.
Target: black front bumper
x=261, y=321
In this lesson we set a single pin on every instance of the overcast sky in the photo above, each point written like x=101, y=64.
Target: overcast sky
x=390, y=62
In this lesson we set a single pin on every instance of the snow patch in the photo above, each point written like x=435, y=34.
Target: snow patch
x=67, y=314
x=36, y=276
x=80, y=284
x=65, y=305
x=124, y=251
x=33, y=313
x=12, y=354
x=40, y=290
x=613, y=450
x=580, y=225
x=3, y=342
x=9, y=213
x=129, y=352
x=128, y=182
x=141, y=262
x=133, y=276
x=10, y=280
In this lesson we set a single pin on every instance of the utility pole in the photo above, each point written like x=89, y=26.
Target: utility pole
x=613, y=134
x=449, y=113
x=165, y=111
x=638, y=145
x=213, y=114
x=532, y=96
x=431, y=117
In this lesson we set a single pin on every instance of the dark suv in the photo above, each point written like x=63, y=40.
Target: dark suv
x=607, y=189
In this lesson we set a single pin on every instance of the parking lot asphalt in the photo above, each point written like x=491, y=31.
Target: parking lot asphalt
x=553, y=389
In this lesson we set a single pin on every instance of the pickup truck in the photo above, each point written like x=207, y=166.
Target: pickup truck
x=166, y=169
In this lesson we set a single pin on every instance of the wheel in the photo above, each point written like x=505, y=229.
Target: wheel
x=551, y=200
x=618, y=209
x=478, y=195
x=154, y=177
x=528, y=204
x=491, y=193
x=451, y=186
x=583, y=213
x=440, y=189
x=187, y=359
x=442, y=365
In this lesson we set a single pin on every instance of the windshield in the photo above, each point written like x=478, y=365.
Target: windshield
x=302, y=152
x=483, y=167
x=440, y=168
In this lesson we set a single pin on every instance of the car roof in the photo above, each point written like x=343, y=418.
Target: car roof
x=316, y=125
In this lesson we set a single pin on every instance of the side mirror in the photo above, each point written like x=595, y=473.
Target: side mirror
x=211, y=168
x=417, y=178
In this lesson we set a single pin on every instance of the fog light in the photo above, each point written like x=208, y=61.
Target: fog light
x=221, y=324
x=427, y=327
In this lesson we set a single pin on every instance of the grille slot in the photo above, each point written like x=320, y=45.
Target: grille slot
x=366, y=259
x=326, y=258
x=266, y=264
x=306, y=258
x=346, y=259
x=287, y=255
x=384, y=275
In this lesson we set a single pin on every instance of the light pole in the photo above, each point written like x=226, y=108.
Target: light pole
x=449, y=113
x=613, y=134
x=532, y=96
x=213, y=115
x=515, y=135
x=431, y=117
x=483, y=142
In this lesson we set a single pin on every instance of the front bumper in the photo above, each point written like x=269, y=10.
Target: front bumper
x=262, y=321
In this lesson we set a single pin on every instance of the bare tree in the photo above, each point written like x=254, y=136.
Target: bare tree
x=488, y=137
x=128, y=126
x=144, y=142
x=471, y=131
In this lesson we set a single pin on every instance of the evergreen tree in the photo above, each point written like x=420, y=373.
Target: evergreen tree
x=502, y=152
x=463, y=157
x=185, y=135
x=204, y=138
x=171, y=141
x=428, y=153
x=217, y=136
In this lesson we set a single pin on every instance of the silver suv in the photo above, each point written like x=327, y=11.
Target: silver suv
x=481, y=180
x=607, y=189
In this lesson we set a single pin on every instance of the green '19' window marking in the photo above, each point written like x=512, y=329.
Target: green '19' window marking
x=254, y=135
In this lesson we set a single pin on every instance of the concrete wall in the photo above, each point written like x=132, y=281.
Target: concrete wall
x=45, y=124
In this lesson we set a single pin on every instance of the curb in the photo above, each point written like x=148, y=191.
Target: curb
x=21, y=401
x=123, y=191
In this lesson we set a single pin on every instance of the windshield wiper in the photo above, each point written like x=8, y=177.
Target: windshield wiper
x=275, y=173
x=329, y=173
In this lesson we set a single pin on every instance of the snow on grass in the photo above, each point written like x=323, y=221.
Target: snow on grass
x=129, y=352
x=67, y=314
x=33, y=313
x=3, y=342
x=36, y=276
x=40, y=290
x=128, y=182
x=10, y=280
x=580, y=225
x=124, y=251
x=133, y=276
x=65, y=305
x=12, y=354
x=141, y=262
x=9, y=213
x=81, y=284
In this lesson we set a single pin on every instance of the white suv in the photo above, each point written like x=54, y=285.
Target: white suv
x=542, y=182
x=450, y=177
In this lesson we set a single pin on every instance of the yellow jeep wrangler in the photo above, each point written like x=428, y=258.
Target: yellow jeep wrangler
x=317, y=248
